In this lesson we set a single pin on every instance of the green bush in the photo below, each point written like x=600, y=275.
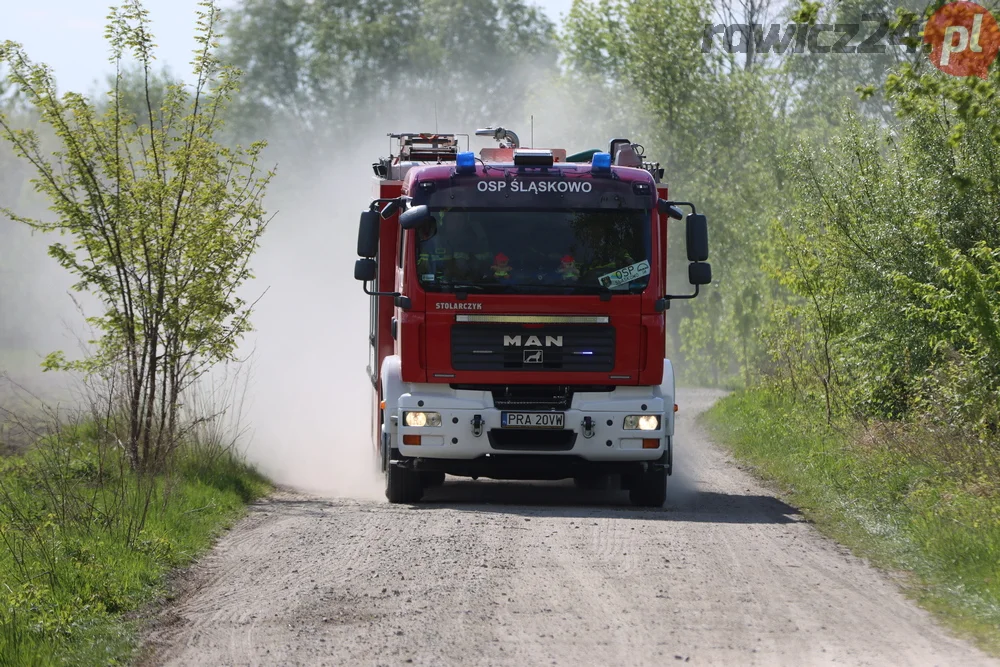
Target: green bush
x=85, y=540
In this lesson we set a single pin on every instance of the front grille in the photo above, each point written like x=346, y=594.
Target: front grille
x=524, y=439
x=532, y=397
x=582, y=348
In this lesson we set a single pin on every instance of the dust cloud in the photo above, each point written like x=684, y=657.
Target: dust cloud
x=309, y=397
x=683, y=488
x=39, y=313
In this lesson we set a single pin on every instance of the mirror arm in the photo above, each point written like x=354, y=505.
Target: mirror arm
x=683, y=203
x=663, y=303
x=365, y=288
x=381, y=200
x=401, y=201
x=398, y=299
x=395, y=204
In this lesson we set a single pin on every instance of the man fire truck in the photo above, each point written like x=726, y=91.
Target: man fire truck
x=518, y=303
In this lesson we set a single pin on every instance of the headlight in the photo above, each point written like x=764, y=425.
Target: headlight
x=642, y=422
x=422, y=419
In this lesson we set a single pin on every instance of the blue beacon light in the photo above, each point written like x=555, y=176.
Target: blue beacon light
x=465, y=163
x=600, y=162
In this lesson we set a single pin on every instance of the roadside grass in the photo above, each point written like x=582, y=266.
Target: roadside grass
x=911, y=500
x=85, y=542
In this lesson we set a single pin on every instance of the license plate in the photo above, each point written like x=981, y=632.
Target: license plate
x=532, y=419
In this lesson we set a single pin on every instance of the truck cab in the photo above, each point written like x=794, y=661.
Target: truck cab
x=517, y=320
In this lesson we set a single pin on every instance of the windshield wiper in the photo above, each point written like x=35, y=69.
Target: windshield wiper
x=462, y=287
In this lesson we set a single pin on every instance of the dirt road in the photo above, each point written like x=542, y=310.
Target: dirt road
x=490, y=573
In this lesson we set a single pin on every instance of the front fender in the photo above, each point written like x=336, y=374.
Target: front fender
x=392, y=388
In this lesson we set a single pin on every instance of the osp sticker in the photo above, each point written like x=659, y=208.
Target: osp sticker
x=535, y=187
x=625, y=275
x=964, y=39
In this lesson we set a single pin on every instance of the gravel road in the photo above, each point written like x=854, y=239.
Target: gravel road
x=502, y=573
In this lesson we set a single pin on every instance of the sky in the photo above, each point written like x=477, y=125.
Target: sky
x=68, y=35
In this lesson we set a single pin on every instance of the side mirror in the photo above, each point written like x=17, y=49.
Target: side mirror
x=697, y=239
x=368, y=234
x=365, y=269
x=412, y=218
x=699, y=273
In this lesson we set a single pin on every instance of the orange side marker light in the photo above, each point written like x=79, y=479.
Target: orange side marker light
x=650, y=443
x=411, y=440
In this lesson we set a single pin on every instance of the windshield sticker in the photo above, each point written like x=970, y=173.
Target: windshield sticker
x=427, y=277
x=625, y=275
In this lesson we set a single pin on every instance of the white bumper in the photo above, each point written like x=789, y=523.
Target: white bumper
x=456, y=438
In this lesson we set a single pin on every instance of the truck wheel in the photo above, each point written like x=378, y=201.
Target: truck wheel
x=432, y=479
x=402, y=485
x=591, y=482
x=649, y=489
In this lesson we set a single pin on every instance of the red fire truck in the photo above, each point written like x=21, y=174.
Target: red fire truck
x=518, y=302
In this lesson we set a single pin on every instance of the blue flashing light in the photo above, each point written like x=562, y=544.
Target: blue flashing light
x=465, y=163
x=600, y=162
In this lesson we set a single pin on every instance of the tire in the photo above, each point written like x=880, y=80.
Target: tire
x=591, y=482
x=432, y=479
x=402, y=485
x=649, y=489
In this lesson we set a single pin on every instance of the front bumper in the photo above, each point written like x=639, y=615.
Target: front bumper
x=607, y=441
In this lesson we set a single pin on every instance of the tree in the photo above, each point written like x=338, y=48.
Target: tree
x=886, y=35
x=161, y=222
x=323, y=69
x=749, y=23
x=651, y=50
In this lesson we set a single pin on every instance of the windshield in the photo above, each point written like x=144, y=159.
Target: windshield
x=551, y=251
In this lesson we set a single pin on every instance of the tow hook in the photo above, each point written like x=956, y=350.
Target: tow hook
x=588, y=427
x=477, y=425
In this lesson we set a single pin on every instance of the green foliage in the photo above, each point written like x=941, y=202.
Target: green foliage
x=825, y=81
x=161, y=219
x=962, y=304
x=131, y=86
x=647, y=48
x=898, y=228
x=84, y=540
x=807, y=12
x=321, y=70
x=900, y=496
